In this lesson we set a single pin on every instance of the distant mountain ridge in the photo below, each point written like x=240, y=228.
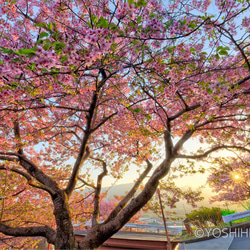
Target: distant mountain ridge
x=119, y=190
x=182, y=207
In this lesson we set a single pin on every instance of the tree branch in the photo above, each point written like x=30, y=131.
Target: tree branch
x=18, y=137
x=27, y=176
x=168, y=141
x=171, y=118
x=183, y=139
x=131, y=193
x=84, y=150
x=155, y=100
x=34, y=171
x=74, y=176
x=86, y=183
x=29, y=179
x=43, y=231
x=96, y=213
x=230, y=36
x=182, y=99
x=241, y=81
x=42, y=107
x=211, y=151
x=39, y=175
x=102, y=122
x=112, y=226
x=6, y=158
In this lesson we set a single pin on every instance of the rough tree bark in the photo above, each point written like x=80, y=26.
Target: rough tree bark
x=65, y=238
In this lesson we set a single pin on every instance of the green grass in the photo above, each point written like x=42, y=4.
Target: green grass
x=241, y=220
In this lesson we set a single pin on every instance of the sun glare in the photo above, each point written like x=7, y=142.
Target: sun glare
x=236, y=177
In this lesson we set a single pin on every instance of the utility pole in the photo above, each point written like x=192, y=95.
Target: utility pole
x=165, y=225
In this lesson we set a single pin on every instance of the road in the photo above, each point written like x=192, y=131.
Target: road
x=241, y=240
x=235, y=240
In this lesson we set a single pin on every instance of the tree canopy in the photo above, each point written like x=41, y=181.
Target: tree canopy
x=230, y=180
x=108, y=85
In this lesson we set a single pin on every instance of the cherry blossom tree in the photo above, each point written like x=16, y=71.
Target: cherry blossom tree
x=230, y=180
x=110, y=85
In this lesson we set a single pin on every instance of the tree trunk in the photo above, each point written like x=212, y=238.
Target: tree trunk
x=65, y=238
x=95, y=238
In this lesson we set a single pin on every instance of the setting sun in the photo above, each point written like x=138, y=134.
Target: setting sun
x=236, y=176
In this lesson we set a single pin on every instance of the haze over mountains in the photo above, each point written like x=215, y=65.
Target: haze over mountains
x=182, y=207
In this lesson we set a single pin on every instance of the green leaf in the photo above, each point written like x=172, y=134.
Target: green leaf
x=31, y=66
x=113, y=46
x=1, y=62
x=14, y=84
x=55, y=27
x=46, y=46
x=211, y=118
x=39, y=41
x=137, y=110
x=43, y=34
x=209, y=91
x=58, y=45
x=219, y=48
x=170, y=50
x=145, y=131
x=89, y=24
x=131, y=24
x=7, y=51
x=113, y=26
x=64, y=58
x=139, y=19
x=192, y=25
x=130, y=2
x=245, y=66
x=141, y=3
x=192, y=127
x=223, y=52
x=31, y=51
x=148, y=117
x=169, y=23
x=204, y=17
x=217, y=56
x=134, y=42
x=42, y=25
x=50, y=26
x=94, y=19
x=161, y=89
x=121, y=33
x=102, y=22
x=182, y=22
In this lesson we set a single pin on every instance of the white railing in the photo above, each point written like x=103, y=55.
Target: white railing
x=236, y=216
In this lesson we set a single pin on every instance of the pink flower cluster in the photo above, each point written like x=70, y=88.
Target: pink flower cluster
x=155, y=24
x=94, y=35
x=45, y=58
x=246, y=22
x=124, y=10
